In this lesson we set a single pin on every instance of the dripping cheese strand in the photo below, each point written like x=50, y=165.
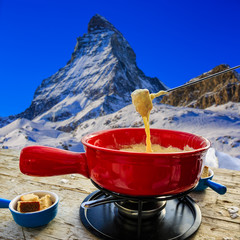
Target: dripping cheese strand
x=148, y=137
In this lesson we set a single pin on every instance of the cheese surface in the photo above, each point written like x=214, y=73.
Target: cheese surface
x=156, y=148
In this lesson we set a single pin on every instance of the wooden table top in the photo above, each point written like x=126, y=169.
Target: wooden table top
x=73, y=189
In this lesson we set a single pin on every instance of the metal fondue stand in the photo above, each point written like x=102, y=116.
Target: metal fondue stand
x=125, y=217
x=110, y=215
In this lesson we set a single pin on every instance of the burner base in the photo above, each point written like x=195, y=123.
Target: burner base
x=179, y=220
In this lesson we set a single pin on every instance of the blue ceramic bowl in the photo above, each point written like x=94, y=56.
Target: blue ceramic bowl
x=35, y=219
x=207, y=182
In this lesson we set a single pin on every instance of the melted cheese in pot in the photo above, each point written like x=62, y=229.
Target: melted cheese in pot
x=156, y=148
x=142, y=100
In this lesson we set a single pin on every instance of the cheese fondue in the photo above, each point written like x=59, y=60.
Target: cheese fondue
x=156, y=148
x=142, y=101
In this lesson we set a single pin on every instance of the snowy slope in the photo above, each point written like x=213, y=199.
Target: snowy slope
x=221, y=125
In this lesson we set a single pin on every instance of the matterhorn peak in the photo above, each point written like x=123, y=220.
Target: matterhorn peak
x=97, y=22
x=98, y=80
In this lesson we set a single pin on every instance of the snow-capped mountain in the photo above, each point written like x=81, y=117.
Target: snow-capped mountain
x=98, y=79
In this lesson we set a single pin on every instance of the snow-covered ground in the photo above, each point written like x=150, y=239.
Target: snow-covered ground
x=220, y=124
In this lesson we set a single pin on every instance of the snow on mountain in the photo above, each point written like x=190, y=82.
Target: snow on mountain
x=23, y=132
x=220, y=124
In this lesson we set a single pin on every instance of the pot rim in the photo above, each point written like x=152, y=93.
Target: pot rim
x=85, y=142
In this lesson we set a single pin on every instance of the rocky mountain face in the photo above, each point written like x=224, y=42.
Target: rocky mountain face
x=98, y=79
x=214, y=91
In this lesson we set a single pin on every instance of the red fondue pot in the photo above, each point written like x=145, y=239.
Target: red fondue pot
x=128, y=173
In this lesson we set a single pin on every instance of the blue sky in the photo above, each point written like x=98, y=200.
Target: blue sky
x=173, y=40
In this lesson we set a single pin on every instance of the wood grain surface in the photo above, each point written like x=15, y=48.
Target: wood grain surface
x=72, y=189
